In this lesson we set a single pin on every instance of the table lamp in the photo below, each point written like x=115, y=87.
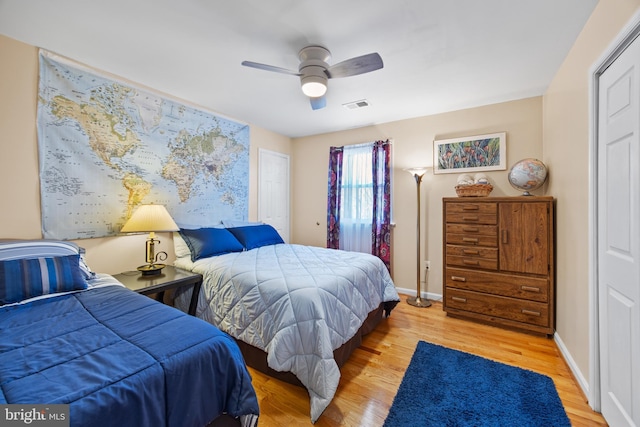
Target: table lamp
x=150, y=218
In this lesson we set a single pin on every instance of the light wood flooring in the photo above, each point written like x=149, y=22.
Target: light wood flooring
x=373, y=374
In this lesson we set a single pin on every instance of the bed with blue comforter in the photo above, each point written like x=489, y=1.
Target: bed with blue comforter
x=116, y=357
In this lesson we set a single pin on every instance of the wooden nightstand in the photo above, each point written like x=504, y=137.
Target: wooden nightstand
x=170, y=278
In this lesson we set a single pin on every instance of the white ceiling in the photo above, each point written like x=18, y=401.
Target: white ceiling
x=439, y=55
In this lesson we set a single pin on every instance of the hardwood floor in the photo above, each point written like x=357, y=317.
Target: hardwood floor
x=373, y=374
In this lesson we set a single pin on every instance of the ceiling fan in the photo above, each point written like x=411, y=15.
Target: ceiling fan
x=314, y=70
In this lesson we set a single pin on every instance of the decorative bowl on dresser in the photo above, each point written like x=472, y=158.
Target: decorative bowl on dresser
x=499, y=261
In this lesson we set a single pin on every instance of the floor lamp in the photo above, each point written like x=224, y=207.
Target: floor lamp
x=418, y=301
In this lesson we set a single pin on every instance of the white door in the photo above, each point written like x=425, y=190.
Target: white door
x=619, y=238
x=273, y=191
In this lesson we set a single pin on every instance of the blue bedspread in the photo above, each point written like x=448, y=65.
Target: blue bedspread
x=121, y=359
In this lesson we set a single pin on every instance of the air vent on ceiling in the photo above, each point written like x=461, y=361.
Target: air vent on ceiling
x=356, y=104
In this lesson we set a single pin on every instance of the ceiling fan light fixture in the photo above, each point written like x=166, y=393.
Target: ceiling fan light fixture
x=314, y=86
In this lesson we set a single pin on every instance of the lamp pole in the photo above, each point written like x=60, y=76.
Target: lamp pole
x=418, y=301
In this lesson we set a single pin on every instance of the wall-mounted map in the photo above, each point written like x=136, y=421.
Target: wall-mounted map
x=106, y=147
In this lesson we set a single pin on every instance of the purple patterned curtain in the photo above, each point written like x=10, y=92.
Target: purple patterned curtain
x=381, y=225
x=333, y=199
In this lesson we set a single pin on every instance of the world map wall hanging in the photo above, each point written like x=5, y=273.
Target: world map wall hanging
x=106, y=146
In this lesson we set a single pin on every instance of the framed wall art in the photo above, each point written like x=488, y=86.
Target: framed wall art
x=470, y=154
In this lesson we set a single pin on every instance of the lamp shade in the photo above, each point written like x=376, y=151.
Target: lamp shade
x=149, y=218
x=418, y=170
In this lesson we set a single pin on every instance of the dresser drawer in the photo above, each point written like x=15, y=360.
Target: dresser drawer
x=464, y=261
x=528, y=288
x=472, y=218
x=472, y=240
x=472, y=207
x=530, y=312
x=472, y=213
x=472, y=252
x=472, y=229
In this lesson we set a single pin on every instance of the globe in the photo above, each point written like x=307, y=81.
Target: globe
x=527, y=175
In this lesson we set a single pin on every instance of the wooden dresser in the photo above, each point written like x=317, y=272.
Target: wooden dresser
x=499, y=260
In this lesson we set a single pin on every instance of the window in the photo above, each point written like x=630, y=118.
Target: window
x=359, y=202
x=357, y=184
x=356, y=204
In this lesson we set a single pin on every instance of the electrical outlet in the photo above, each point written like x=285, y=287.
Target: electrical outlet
x=426, y=265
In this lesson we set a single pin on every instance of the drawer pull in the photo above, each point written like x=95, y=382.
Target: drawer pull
x=471, y=252
x=505, y=236
x=470, y=229
x=470, y=207
x=530, y=312
x=458, y=279
x=458, y=299
x=470, y=218
x=470, y=239
x=470, y=262
x=530, y=288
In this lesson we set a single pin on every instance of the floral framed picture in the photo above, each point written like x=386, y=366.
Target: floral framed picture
x=470, y=154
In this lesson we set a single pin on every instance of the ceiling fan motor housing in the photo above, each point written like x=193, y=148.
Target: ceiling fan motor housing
x=314, y=55
x=313, y=67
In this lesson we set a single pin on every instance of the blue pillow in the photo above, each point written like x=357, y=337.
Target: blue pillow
x=21, y=279
x=206, y=242
x=254, y=236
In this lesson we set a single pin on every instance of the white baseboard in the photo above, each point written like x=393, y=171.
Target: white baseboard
x=582, y=381
x=412, y=292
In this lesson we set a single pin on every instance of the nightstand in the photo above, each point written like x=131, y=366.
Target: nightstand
x=170, y=278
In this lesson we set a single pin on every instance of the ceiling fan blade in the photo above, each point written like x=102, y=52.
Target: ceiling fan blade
x=266, y=67
x=354, y=66
x=318, y=103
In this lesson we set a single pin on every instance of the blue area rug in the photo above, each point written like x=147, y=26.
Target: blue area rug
x=445, y=387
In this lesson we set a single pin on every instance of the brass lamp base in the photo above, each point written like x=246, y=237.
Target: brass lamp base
x=151, y=269
x=418, y=302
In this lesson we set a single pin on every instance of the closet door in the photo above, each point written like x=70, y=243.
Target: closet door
x=619, y=238
x=273, y=191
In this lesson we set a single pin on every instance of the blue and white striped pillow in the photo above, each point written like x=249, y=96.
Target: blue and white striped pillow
x=14, y=249
x=21, y=279
x=18, y=249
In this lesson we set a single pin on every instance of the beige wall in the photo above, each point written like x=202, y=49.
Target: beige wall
x=19, y=178
x=413, y=146
x=566, y=151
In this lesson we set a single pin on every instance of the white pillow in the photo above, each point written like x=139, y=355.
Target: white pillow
x=180, y=246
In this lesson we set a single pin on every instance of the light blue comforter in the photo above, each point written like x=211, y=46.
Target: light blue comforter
x=297, y=303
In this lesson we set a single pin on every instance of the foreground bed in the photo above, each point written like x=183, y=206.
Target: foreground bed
x=298, y=306
x=116, y=357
